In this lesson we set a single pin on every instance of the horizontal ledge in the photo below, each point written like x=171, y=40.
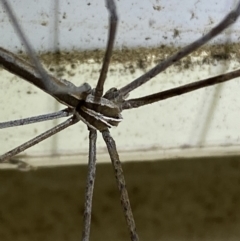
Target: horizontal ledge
x=129, y=156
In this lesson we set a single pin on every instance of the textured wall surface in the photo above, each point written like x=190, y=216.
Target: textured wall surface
x=176, y=200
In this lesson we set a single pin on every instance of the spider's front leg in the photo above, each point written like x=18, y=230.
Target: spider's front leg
x=113, y=20
x=224, y=24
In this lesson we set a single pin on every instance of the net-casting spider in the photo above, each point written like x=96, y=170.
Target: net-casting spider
x=97, y=110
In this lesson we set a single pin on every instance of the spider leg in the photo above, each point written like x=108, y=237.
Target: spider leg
x=113, y=20
x=125, y=202
x=225, y=23
x=47, y=83
x=5, y=157
x=26, y=71
x=90, y=185
x=135, y=103
x=45, y=78
x=35, y=119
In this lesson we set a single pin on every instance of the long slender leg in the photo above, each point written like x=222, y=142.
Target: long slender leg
x=135, y=103
x=111, y=36
x=125, y=202
x=90, y=185
x=32, y=55
x=226, y=22
x=63, y=90
x=5, y=157
x=28, y=72
x=35, y=119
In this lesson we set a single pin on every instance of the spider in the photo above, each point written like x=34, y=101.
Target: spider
x=98, y=110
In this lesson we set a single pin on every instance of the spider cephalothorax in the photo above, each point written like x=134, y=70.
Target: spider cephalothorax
x=99, y=113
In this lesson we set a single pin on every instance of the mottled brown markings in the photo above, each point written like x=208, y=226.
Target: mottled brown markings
x=157, y=7
x=176, y=33
x=45, y=23
x=140, y=58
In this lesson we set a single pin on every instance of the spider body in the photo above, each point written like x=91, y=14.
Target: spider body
x=100, y=112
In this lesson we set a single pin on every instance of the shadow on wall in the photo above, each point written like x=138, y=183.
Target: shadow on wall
x=174, y=200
